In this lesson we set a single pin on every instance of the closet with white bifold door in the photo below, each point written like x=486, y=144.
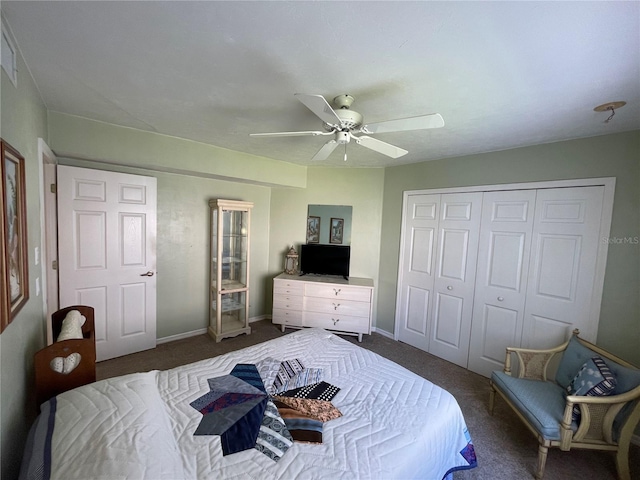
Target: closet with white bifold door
x=483, y=268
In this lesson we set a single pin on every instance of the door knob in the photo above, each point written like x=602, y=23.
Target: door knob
x=449, y=287
x=500, y=299
x=148, y=274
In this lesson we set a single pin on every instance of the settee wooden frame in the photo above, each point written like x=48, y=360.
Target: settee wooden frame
x=595, y=430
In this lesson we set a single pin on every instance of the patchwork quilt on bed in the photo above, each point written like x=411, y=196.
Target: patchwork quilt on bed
x=238, y=409
x=393, y=423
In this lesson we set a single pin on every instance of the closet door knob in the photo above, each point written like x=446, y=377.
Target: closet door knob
x=500, y=299
x=449, y=287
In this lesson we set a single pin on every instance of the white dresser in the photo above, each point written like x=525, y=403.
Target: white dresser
x=329, y=302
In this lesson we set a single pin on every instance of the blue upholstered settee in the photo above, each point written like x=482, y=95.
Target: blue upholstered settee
x=561, y=418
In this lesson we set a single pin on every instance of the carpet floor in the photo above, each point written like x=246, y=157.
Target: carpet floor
x=505, y=448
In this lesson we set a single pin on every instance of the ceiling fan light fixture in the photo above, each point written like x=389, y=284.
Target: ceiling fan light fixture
x=610, y=107
x=343, y=138
x=349, y=118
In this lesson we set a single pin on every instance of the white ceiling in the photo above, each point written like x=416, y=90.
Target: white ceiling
x=502, y=74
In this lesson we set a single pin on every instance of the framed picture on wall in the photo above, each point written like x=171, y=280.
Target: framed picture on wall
x=313, y=229
x=336, y=233
x=13, y=237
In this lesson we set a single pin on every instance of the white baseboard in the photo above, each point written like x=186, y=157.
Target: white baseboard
x=384, y=333
x=180, y=336
x=200, y=331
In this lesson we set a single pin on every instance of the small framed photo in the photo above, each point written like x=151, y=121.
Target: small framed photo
x=14, y=265
x=336, y=234
x=313, y=229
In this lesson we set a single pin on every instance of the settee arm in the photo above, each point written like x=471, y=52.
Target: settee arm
x=597, y=415
x=532, y=363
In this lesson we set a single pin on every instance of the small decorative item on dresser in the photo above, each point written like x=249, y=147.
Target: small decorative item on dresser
x=291, y=262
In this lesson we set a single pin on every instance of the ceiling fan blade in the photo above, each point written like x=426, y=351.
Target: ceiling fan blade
x=433, y=120
x=326, y=150
x=380, y=147
x=318, y=105
x=290, y=134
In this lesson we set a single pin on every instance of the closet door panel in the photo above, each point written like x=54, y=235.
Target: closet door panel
x=503, y=260
x=413, y=311
x=454, y=278
x=563, y=265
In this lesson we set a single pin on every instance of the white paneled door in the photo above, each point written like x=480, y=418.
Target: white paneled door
x=454, y=276
x=517, y=265
x=501, y=279
x=107, y=255
x=416, y=269
x=566, y=238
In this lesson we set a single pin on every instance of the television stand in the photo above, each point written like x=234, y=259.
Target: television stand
x=335, y=303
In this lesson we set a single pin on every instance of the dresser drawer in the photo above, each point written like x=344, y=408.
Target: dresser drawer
x=287, y=302
x=342, y=292
x=288, y=287
x=287, y=317
x=328, y=321
x=337, y=306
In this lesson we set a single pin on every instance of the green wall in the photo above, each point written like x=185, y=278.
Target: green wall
x=359, y=187
x=23, y=120
x=82, y=138
x=606, y=156
x=183, y=244
x=278, y=219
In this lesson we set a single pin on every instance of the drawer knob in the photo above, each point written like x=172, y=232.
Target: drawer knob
x=335, y=321
x=335, y=306
x=337, y=291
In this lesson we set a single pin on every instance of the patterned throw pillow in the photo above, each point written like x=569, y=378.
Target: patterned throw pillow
x=594, y=379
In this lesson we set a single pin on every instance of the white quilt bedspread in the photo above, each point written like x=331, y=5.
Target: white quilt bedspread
x=394, y=423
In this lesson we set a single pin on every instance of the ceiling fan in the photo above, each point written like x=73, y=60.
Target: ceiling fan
x=341, y=123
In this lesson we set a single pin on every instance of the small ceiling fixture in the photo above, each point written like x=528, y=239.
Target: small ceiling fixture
x=609, y=107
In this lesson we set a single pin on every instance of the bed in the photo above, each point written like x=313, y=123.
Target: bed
x=390, y=423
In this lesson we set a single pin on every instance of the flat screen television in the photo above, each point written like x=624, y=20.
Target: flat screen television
x=325, y=259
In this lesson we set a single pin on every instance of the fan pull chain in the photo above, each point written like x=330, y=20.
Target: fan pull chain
x=345, y=152
x=613, y=112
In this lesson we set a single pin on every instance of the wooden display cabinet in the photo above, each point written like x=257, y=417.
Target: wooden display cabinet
x=229, y=285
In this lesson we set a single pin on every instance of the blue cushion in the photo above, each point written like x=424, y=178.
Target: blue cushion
x=574, y=357
x=572, y=360
x=627, y=378
x=577, y=354
x=541, y=403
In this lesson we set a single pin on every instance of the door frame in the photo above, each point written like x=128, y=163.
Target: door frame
x=47, y=168
x=608, y=183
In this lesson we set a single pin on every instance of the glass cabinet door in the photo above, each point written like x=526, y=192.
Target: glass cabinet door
x=234, y=250
x=229, y=268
